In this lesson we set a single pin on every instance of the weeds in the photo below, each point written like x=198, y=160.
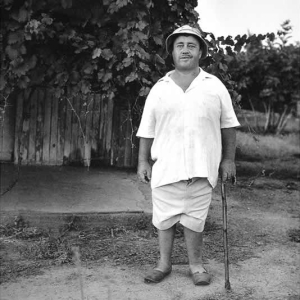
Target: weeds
x=119, y=245
x=268, y=155
x=294, y=235
x=255, y=147
x=35, y=244
x=48, y=249
x=141, y=222
x=19, y=230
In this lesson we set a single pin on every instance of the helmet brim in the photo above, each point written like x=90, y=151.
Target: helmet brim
x=171, y=38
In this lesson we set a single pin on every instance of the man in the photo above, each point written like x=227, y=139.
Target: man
x=188, y=126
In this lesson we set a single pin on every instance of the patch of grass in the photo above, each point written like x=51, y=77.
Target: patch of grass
x=268, y=155
x=254, y=147
x=25, y=250
x=294, y=235
x=256, y=121
x=141, y=222
x=49, y=248
x=13, y=231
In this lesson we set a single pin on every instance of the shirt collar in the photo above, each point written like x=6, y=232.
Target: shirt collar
x=201, y=76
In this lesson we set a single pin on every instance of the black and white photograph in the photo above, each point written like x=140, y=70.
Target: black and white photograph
x=150, y=149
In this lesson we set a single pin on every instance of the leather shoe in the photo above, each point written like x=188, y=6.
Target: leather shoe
x=156, y=276
x=201, y=278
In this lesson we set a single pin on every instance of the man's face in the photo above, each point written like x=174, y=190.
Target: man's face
x=186, y=52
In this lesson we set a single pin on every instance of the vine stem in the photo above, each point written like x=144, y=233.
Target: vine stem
x=3, y=110
x=88, y=160
x=78, y=118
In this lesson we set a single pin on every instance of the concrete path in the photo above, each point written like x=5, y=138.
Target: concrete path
x=71, y=190
x=49, y=197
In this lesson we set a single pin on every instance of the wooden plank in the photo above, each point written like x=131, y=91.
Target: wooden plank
x=116, y=135
x=32, y=127
x=82, y=108
x=89, y=117
x=47, y=128
x=134, y=157
x=54, y=130
x=19, y=125
x=25, y=127
x=121, y=141
x=104, y=129
x=109, y=121
x=61, y=131
x=128, y=140
x=2, y=131
x=95, y=128
x=88, y=130
x=101, y=124
x=7, y=129
x=68, y=130
x=75, y=128
x=101, y=127
x=40, y=126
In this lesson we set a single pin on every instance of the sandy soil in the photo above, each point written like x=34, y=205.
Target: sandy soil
x=263, y=215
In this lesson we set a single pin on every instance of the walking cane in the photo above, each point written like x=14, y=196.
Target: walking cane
x=225, y=239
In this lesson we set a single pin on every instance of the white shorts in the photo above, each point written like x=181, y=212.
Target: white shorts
x=186, y=201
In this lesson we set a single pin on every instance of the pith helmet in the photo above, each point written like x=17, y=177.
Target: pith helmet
x=186, y=29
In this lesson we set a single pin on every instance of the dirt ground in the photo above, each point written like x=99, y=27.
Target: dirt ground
x=109, y=262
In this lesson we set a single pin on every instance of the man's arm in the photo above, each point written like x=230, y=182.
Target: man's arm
x=227, y=168
x=144, y=169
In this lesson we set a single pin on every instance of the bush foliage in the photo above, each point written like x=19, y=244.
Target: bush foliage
x=114, y=48
x=267, y=76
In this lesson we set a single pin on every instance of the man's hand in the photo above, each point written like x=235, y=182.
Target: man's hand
x=144, y=171
x=227, y=171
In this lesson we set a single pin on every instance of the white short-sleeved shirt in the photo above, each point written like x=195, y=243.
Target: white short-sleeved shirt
x=186, y=127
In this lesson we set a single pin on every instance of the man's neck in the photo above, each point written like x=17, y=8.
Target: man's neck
x=186, y=73
x=184, y=78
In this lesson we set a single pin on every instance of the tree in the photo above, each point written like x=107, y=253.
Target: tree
x=268, y=78
x=115, y=48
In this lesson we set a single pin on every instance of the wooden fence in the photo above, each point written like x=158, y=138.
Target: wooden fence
x=51, y=131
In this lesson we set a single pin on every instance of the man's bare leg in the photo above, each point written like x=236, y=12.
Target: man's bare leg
x=166, y=241
x=163, y=268
x=194, y=243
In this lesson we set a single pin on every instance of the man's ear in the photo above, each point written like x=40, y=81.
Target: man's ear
x=200, y=53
